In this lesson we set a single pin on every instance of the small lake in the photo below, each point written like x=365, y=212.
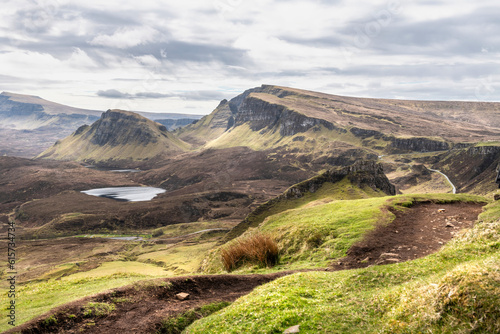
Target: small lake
x=126, y=194
x=114, y=170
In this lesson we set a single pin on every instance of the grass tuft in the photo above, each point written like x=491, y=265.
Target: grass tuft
x=97, y=310
x=255, y=248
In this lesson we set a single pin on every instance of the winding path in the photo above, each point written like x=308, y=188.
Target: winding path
x=447, y=178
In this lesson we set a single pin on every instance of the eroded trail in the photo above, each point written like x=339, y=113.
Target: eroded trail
x=415, y=232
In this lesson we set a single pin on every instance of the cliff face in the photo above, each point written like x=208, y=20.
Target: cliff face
x=417, y=145
x=261, y=114
x=121, y=128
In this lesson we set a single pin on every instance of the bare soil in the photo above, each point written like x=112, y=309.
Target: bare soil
x=415, y=232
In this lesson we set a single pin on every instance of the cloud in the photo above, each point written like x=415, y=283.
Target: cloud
x=204, y=95
x=191, y=53
x=114, y=94
x=126, y=37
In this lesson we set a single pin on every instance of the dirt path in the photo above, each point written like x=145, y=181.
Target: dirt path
x=416, y=232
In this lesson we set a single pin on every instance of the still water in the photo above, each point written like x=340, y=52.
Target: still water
x=126, y=194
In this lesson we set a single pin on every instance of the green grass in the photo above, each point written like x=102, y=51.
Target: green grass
x=34, y=299
x=328, y=192
x=122, y=268
x=178, y=324
x=456, y=290
x=97, y=310
x=181, y=259
x=314, y=233
x=177, y=230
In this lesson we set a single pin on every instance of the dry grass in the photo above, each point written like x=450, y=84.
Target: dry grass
x=256, y=248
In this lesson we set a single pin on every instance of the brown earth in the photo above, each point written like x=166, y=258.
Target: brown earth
x=415, y=232
x=141, y=308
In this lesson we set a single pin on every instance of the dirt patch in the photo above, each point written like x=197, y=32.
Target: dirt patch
x=415, y=232
x=141, y=308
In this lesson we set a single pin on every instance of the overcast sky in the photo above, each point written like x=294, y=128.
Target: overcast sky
x=185, y=56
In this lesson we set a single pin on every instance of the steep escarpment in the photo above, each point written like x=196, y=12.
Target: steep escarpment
x=117, y=138
x=261, y=114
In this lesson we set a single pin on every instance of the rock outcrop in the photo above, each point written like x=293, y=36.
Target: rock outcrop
x=417, y=144
x=361, y=173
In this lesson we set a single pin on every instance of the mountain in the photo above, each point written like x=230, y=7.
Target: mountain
x=384, y=125
x=116, y=137
x=30, y=124
x=307, y=132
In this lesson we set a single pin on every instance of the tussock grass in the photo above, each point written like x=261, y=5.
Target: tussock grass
x=255, y=248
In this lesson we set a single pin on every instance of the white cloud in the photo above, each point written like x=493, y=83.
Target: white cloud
x=427, y=49
x=126, y=37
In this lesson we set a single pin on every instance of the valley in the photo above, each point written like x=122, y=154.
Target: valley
x=346, y=189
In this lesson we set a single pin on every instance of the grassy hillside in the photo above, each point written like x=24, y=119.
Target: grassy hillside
x=454, y=290
x=314, y=231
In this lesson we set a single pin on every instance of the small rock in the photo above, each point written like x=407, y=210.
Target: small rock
x=449, y=225
x=389, y=255
x=392, y=260
x=293, y=329
x=182, y=296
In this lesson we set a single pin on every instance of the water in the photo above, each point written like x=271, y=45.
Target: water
x=114, y=170
x=126, y=194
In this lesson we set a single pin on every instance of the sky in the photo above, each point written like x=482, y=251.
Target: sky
x=186, y=56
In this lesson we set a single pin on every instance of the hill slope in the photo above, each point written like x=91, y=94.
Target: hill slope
x=116, y=137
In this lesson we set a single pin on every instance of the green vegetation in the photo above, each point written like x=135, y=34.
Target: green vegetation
x=37, y=298
x=181, y=259
x=178, y=324
x=315, y=233
x=97, y=310
x=122, y=268
x=456, y=290
x=328, y=192
x=64, y=283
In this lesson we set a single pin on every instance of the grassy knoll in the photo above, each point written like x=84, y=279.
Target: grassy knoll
x=314, y=233
x=456, y=290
